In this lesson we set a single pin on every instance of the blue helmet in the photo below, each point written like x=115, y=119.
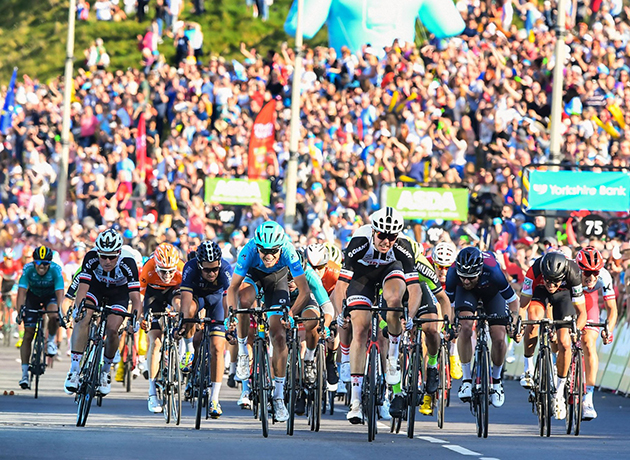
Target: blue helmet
x=269, y=235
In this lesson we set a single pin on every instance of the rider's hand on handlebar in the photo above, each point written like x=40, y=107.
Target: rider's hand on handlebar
x=607, y=337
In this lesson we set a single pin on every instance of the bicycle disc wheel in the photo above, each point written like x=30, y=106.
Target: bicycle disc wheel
x=320, y=357
x=291, y=389
x=371, y=393
x=263, y=387
x=201, y=388
x=175, y=384
x=442, y=388
x=578, y=392
x=412, y=388
x=548, y=395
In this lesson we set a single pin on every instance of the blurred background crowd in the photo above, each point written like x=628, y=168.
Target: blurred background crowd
x=469, y=111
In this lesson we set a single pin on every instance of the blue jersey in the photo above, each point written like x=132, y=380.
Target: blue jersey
x=249, y=258
x=41, y=286
x=316, y=286
x=491, y=282
x=194, y=282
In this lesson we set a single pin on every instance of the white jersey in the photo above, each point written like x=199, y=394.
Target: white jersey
x=605, y=283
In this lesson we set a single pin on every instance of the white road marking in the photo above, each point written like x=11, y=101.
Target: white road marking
x=488, y=458
x=461, y=450
x=433, y=440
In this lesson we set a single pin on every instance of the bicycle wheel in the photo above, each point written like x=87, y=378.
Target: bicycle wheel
x=88, y=384
x=569, y=392
x=320, y=364
x=253, y=384
x=174, y=384
x=128, y=361
x=36, y=362
x=442, y=388
x=201, y=385
x=163, y=383
x=371, y=395
x=578, y=391
x=544, y=404
x=481, y=394
x=263, y=388
x=412, y=387
x=291, y=390
x=332, y=395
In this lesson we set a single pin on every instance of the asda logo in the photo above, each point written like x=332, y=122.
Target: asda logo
x=421, y=200
x=429, y=203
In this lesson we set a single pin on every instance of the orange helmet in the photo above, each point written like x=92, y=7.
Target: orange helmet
x=166, y=256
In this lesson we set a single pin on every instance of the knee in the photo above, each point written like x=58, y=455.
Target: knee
x=589, y=347
x=278, y=339
x=393, y=299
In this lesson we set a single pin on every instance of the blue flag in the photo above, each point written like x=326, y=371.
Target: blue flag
x=9, y=105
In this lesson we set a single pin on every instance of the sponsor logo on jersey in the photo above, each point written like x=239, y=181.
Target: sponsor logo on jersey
x=355, y=251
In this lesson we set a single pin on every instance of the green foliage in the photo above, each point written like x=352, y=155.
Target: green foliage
x=33, y=34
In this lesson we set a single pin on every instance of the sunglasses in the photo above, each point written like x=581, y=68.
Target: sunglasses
x=210, y=270
x=110, y=257
x=593, y=273
x=268, y=251
x=42, y=263
x=442, y=267
x=166, y=271
x=387, y=236
x=554, y=282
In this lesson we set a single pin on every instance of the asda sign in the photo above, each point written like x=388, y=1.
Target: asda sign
x=237, y=191
x=577, y=190
x=429, y=203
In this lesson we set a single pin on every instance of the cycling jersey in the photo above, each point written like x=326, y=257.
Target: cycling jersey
x=572, y=281
x=331, y=276
x=432, y=262
x=10, y=273
x=249, y=258
x=41, y=286
x=74, y=285
x=426, y=270
x=193, y=281
x=318, y=292
x=591, y=296
x=150, y=278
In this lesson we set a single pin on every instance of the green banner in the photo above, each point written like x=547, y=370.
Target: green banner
x=429, y=203
x=237, y=191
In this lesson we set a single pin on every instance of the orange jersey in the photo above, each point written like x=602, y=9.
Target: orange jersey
x=149, y=277
x=331, y=275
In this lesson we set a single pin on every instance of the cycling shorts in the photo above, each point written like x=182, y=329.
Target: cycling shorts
x=560, y=302
x=34, y=302
x=467, y=301
x=156, y=301
x=275, y=287
x=213, y=306
x=362, y=286
x=428, y=304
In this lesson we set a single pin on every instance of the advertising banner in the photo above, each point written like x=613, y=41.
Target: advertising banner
x=429, y=203
x=577, y=190
x=237, y=191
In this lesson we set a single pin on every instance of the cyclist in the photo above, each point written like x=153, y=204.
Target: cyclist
x=265, y=262
x=375, y=255
x=159, y=284
x=442, y=258
x=477, y=276
x=432, y=293
x=206, y=278
x=594, y=278
x=41, y=284
x=552, y=280
x=108, y=276
x=10, y=269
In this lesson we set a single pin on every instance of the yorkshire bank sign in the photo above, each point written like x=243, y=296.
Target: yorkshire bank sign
x=579, y=190
x=429, y=203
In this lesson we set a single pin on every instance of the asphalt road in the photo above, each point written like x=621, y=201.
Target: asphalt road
x=122, y=428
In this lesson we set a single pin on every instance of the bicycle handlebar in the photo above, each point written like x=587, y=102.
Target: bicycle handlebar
x=41, y=312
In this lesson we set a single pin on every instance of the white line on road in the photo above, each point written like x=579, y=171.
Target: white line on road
x=488, y=458
x=433, y=440
x=461, y=450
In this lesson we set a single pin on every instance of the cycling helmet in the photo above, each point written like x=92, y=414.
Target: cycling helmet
x=334, y=253
x=444, y=254
x=590, y=259
x=469, y=262
x=317, y=255
x=387, y=220
x=269, y=235
x=208, y=251
x=166, y=256
x=109, y=241
x=554, y=266
x=43, y=253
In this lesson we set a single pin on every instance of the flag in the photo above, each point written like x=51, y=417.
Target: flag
x=9, y=105
x=261, y=140
x=141, y=146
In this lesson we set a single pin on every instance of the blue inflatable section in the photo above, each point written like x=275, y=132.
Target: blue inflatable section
x=354, y=23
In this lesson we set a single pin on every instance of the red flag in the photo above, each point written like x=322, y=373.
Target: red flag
x=261, y=140
x=141, y=146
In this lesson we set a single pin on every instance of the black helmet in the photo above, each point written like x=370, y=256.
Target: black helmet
x=43, y=253
x=208, y=251
x=554, y=266
x=469, y=262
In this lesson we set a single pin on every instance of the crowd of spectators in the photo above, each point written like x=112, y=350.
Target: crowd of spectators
x=469, y=111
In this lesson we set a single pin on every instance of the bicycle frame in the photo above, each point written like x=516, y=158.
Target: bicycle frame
x=168, y=381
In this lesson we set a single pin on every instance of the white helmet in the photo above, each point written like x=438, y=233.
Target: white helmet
x=444, y=254
x=387, y=220
x=317, y=255
x=109, y=241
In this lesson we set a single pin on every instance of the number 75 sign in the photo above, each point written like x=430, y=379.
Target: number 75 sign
x=593, y=226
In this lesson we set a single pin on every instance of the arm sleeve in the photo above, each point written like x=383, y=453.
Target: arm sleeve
x=131, y=270
x=144, y=278
x=357, y=247
x=292, y=260
x=85, y=276
x=607, y=285
x=451, y=284
x=428, y=275
x=317, y=288
x=528, y=283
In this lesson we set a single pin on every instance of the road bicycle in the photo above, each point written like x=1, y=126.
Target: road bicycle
x=169, y=378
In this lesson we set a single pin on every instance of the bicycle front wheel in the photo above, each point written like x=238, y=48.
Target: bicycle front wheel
x=545, y=394
x=201, y=387
x=37, y=361
x=128, y=360
x=320, y=358
x=412, y=387
x=163, y=383
x=578, y=391
x=175, y=383
x=291, y=389
x=263, y=389
x=481, y=394
x=443, y=386
x=371, y=395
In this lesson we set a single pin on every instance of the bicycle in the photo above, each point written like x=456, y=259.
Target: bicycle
x=317, y=392
x=129, y=358
x=373, y=382
x=90, y=374
x=444, y=367
x=169, y=378
x=576, y=381
x=261, y=387
x=480, y=400
x=200, y=373
x=38, y=363
x=543, y=390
